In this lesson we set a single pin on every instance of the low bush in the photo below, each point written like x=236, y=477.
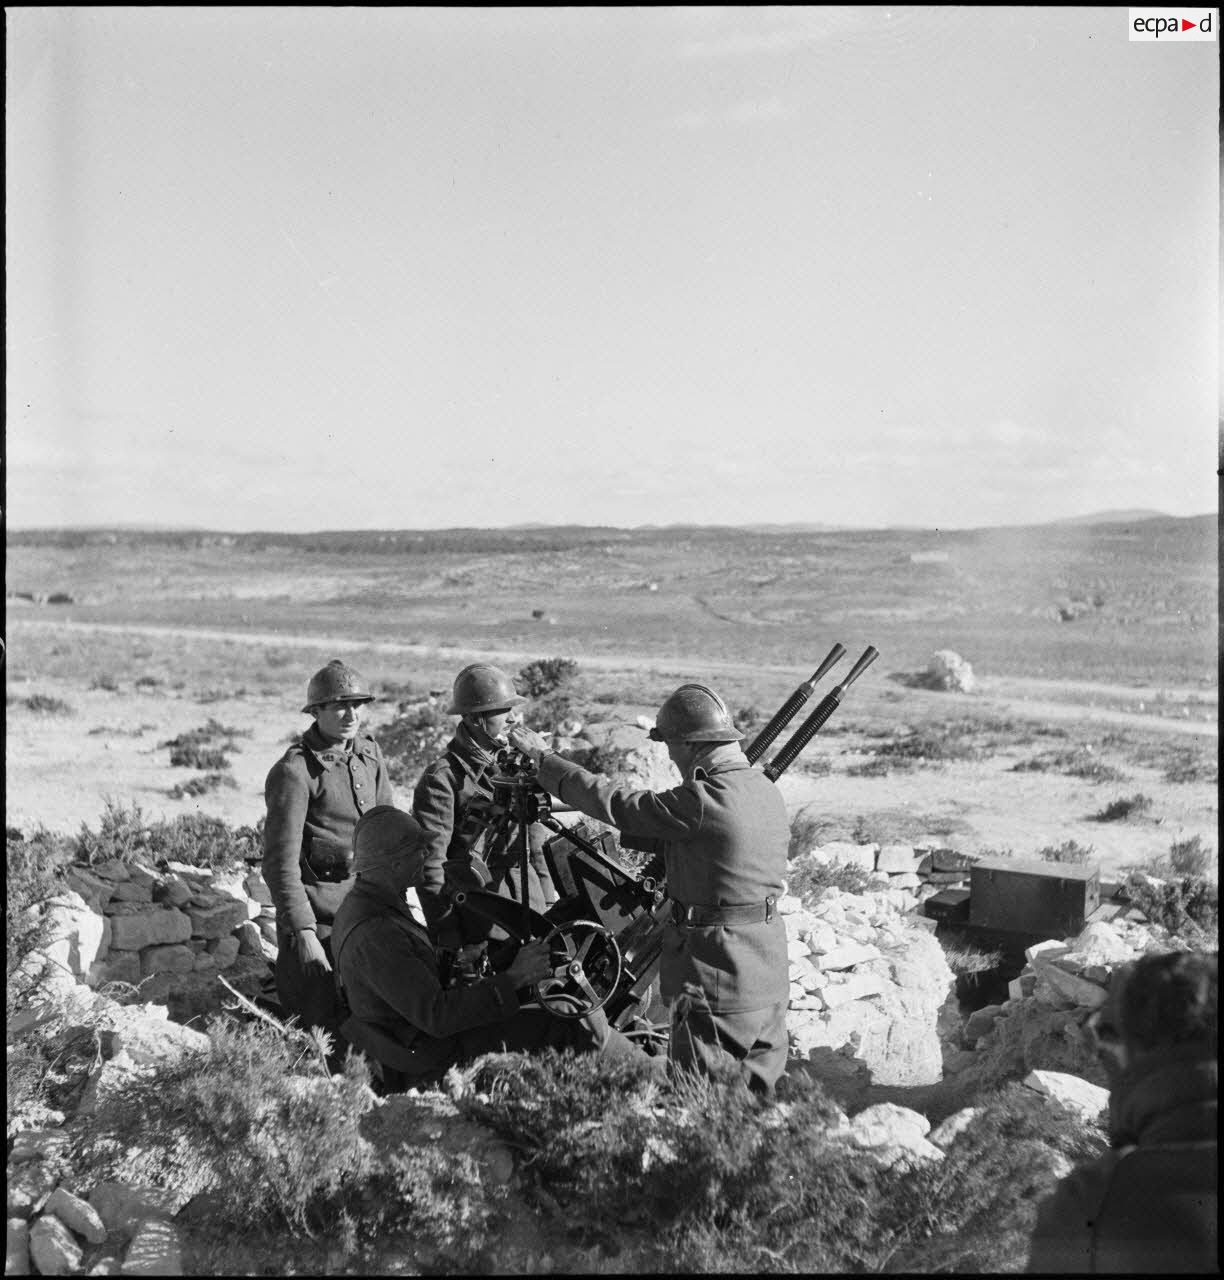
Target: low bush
x=412, y=741
x=1188, y=906
x=44, y=704
x=1189, y=857
x=195, y=839
x=202, y=786
x=198, y=758
x=1122, y=808
x=812, y=877
x=1078, y=762
x=1069, y=851
x=546, y=674
x=935, y=745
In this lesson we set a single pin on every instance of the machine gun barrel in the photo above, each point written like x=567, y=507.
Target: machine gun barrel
x=815, y=722
x=786, y=712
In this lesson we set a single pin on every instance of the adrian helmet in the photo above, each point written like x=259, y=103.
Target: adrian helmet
x=336, y=682
x=694, y=713
x=482, y=687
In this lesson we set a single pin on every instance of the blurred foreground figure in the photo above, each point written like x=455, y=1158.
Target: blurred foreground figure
x=723, y=834
x=1149, y=1206
x=315, y=793
x=400, y=1014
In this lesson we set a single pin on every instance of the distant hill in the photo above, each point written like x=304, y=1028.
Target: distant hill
x=1114, y=517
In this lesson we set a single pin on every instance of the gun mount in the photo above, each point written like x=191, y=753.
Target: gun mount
x=605, y=931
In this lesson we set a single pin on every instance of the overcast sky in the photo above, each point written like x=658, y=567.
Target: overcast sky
x=340, y=268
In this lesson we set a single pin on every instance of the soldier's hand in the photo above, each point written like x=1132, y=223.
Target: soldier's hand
x=531, y=965
x=311, y=954
x=528, y=742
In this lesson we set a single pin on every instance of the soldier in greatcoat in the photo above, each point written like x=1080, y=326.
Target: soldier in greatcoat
x=315, y=794
x=401, y=1012
x=724, y=836
x=451, y=802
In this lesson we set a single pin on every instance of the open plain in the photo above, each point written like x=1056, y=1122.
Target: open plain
x=1093, y=649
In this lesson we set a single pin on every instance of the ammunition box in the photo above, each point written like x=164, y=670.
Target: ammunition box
x=950, y=906
x=1048, y=898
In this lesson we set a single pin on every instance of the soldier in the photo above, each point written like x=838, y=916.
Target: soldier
x=1149, y=1205
x=451, y=804
x=315, y=793
x=399, y=1011
x=724, y=836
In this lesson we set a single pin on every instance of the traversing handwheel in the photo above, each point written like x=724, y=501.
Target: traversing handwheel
x=587, y=968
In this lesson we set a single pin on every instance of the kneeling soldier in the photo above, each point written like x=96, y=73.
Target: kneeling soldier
x=400, y=1014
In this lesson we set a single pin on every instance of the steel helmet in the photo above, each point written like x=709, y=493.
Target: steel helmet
x=694, y=714
x=481, y=687
x=336, y=683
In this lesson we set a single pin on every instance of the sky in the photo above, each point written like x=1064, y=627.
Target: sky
x=307, y=268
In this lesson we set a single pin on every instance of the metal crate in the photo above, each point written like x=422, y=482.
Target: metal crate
x=1049, y=898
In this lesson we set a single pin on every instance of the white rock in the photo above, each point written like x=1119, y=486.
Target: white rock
x=1100, y=944
x=796, y=949
x=946, y=1132
x=848, y=954
x=1079, y=1095
x=1050, y=948
x=788, y=904
x=155, y=1250
x=949, y=671
x=53, y=1250
x=857, y=986
x=897, y=858
x=822, y=939
x=76, y=1214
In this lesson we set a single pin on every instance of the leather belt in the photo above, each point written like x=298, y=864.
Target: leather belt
x=747, y=913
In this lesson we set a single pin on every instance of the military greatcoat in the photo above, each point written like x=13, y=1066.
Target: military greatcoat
x=315, y=793
x=724, y=835
x=451, y=802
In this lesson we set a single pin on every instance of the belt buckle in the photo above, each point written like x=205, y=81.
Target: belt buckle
x=690, y=916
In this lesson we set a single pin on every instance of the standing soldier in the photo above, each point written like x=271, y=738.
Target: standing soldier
x=315, y=793
x=451, y=804
x=724, y=837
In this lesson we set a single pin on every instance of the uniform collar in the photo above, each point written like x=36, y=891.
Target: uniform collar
x=385, y=897
x=472, y=757
x=721, y=761
x=328, y=754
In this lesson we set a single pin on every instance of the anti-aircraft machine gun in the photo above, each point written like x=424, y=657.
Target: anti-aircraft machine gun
x=605, y=931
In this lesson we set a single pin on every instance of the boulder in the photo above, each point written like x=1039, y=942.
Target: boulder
x=218, y=918
x=135, y=926
x=28, y=1186
x=627, y=756
x=948, y=671
x=1100, y=944
x=17, y=1248
x=897, y=858
x=857, y=986
x=167, y=959
x=74, y=934
x=76, y=1214
x=1055, y=985
x=948, y=1130
x=123, y=1208
x=53, y=1250
x=155, y=1250
x=1074, y=1093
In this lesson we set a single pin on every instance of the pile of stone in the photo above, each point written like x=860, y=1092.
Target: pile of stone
x=868, y=980
x=169, y=933
x=1063, y=980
